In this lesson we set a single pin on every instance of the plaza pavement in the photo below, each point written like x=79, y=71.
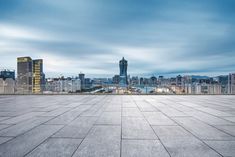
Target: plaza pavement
x=117, y=125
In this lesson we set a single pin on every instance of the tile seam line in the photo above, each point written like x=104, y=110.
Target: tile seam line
x=85, y=136
x=121, y=128
x=153, y=130
x=193, y=135
x=35, y=127
x=48, y=138
x=205, y=112
x=210, y=124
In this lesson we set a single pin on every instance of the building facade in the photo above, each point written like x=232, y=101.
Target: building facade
x=5, y=73
x=30, y=76
x=38, y=76
x=63, y=85
x=82, y=79
x=24, y=74
x=7, y=81
x=123, y=72
x=231, y=83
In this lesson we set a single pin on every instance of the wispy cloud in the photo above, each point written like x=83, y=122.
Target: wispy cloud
x=156, y=37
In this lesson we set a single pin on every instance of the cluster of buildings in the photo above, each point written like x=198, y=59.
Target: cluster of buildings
x=176, y=85
x=30, y=76
x=68, y=85
x=187, y=84
x=31, y=79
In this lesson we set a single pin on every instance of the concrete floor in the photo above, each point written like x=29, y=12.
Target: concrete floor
x=127, y=126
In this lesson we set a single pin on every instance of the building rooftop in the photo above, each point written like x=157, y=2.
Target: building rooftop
x=117, y=125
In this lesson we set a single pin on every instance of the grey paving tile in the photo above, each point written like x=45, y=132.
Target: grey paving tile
x=143, y=148
x=67, y=117
x=20, y=118
x=4, y=118
x=202, y=130
x=47, y=109
x=128, y=104
x=112, y=118
x=24, y=126
x=131, y=112
x=136, y=128
x=9, y=113
x=231, y=119
x=157, y=118
x=214, y=112
x=172, y=132
x=226, y=148
x=113, y=108
x=23, y=144
x=96, y=119
x=209, y=119
x=56, y=112
x=183, y=108
x=78, y=128
x=171, y=112
x=180, y=143
x=191, y=104
x=102, y=141
x=4, y=139
x=92, y=112
x=56, y=147
x=3, y=126
x=144, y=106
x=189, y=148
x=227, y=128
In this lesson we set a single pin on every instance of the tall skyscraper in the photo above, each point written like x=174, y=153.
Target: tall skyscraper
x=123, y=72
x=231, y=83
x=30, y=76
x=38, y=76
x=179, y=80
x=82, y=78
x=24, y=75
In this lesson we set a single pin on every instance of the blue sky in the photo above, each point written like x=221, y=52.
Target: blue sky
x=166, y=37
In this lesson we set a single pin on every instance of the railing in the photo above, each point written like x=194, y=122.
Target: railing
x=116, y=89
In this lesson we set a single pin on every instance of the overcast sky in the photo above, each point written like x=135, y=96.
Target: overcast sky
x=91, y=36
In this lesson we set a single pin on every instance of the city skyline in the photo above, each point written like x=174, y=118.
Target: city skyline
x=31, y=79
x=72, y=75
x=157, y=37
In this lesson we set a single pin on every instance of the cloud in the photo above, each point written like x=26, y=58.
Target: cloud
x=156, y=37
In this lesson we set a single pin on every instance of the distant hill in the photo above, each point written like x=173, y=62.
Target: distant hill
x=200, y=77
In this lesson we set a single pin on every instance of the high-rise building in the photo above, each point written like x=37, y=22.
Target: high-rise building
x=223, y=81
x=24, y=75
x=135, y=81
x=116, y=79
x=141, y=81
x=153, y=81
x=6, y=73
x=179, y=80
x=160, y=80
x=7, y=81
x=87, y=83
x=82, y=79
x=123, y=72
x=38, y=76
x=30, y=76
x=231, y=83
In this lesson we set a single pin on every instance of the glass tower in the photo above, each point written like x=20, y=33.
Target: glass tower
x=37, y=75
x=123, y=72
x=24, y=74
